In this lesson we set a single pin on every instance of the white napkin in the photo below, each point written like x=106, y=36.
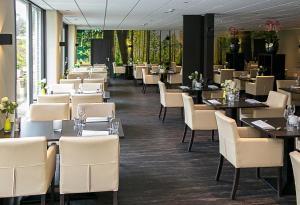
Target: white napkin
x=215, y=102
x=252, y=101
x=86, y=133
x=263, y=125
x=212, y=86
x=184, y=87
x=96, y=119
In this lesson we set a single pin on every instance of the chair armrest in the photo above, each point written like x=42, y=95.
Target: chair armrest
x=51, y=163
x=204, y=120
x=203, y=107
x=249, y=132
x=268, y=112
x=174, y=91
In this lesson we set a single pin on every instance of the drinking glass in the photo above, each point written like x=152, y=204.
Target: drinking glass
x=114, y=127
x=81, y=115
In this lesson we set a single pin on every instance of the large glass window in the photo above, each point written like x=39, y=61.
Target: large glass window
x=29, y=53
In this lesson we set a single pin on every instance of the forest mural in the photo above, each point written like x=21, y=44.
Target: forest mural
x=141, y=46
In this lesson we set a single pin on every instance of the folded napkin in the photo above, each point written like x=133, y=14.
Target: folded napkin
x=96, y=119
x=215, y=102
x=263, y=125
x=184, y=87
x=212, y=86
x=252, y=101
x=295, y=86
x=86, y=133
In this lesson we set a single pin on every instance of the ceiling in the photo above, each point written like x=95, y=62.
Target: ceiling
x=167, y=14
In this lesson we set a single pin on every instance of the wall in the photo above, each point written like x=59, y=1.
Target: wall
x=289, y=45
x=7, y=52
x=71, y=45
x=54, y=25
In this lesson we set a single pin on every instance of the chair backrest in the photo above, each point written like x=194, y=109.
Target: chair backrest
x=226, y=74
x=98, y=75
x=55, y=98
x=62, y=88
x=295, y=158
x=228, y=136
x=75, y=82
x=285, y=83
x=49, y=111
x=78, y=75
x=99, y=109
x=94, y=80
x=173, y=65
x=188, y=105
x=91, y=87
x=239, y=73
x=264, y=84
x=84, y=98
x=155, y=68
x=178, y=69
x=23, y=166
x=138, y=74
x=89, y=164
x=253, y=73
x=162, y=92
x=277, y=100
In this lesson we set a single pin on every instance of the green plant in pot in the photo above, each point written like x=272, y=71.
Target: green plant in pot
x=43, y=85
x=234, y=41
x=7, y=108
x=271, y=38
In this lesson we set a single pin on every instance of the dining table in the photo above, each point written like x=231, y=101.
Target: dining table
x=278, y=131
x=294, y=90
x=198, y=91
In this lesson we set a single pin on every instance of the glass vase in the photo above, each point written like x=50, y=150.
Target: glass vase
x=230, y=97
x=194, y=82
x=7, y=125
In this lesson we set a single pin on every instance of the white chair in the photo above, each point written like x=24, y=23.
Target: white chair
x=91, y=87
x=149, y=80
x=55, y=98
x=244, y=147
x=169, y=98
x=89, y=164
x=98, y=109
x=225, y=74
x=118, y=69
x=262, y=86
x=75, y=82
x=295, y=158
x=276, y=102
x=78, y=75
x=94, y=80
x=62, y=88
x=197, y=117
x=293, y=99
x=138, y=73
x=175, y=78
x=49, y=111
x=26, y=167
x=84, y=98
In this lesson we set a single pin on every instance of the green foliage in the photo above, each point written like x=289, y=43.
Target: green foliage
x=118, y=58
x=7, y=106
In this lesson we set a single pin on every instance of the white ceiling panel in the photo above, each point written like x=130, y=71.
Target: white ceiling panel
x=167, y=14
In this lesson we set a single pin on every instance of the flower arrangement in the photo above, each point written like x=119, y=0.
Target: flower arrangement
x=194, y=75
x=7, y=107
x=234, y=39
x=271, y=38
x=229, y=86
x=43, y=85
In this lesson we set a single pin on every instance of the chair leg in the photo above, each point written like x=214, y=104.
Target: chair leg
x=279, y=182
x=62, y=199
x=192, y=141
x=235, y=183
x=182, y=113
x=184, y=133
x=43, y=199
x=212, y=135
x=258, y=173
x=115, y=198
x=165, y=112
x=161, y=107
x=145, y=87
x=219, y=171
x=52, y=191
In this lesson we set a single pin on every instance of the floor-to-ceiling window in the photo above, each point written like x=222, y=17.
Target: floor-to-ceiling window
x=29, y=53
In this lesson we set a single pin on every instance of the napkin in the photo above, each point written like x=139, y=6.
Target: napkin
x=96, y=119
x=212, y=86
x=263, y=125
x=252, y=101
x=215, y=102
x=86, y=133
x=184, y=87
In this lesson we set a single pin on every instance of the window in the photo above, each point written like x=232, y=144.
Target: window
x=29, y=53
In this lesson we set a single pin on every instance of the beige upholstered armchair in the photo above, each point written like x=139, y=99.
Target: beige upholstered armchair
x=225, y=74
x=99, y=109
x=262, y=86
x=118, y=69
x=295, y=158
x=168, y=99
x=49, y=111
x=27, y=167
x=91, y=87
x=95, y=168
x=94, y=80
x=197, y=117
x=237, y=74
x=97, y=75
x=293, y=99
x=86, y=98
x=138, y=73
x=175, y=78
x=149, y=80
x=253, y=73
x=243, y=147
x=62, y=88
x=75, y=82
x=55, y=98
x=78, y=75
x=276, y=102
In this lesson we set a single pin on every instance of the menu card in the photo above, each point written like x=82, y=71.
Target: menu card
x=263, y=125
x=252, y=101
x=96, y=119
x=213, y=101
x=87, y=133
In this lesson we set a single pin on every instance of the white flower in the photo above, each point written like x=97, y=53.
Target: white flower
x=196, y=72
x=190, y=77
x=260, y=67
x=1, y=107
x=4, y=99
x=44, y=80
x=14, y=103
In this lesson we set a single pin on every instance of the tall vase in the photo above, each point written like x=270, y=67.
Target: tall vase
x=194, y=82
x=43, y=91
x=7, y=125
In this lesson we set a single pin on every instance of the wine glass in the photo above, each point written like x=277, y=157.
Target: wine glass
x=81, y=115
x=291, y=109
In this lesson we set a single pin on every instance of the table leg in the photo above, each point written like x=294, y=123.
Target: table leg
x=199, y=97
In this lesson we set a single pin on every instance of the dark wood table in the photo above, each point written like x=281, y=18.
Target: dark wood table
x=245, y=78
x=198, y=91
x=129, y=72
x=232, y=107
x=53, y=130
x=291, y=90
x=289, y=146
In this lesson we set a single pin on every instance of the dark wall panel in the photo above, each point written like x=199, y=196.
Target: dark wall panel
x=208, y=57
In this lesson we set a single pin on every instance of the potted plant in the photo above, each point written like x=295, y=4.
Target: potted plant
x=194, y=76
x=43, y=85
x=271, y=38
x=234, y=41
x=230, y=91
x=7, y=107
